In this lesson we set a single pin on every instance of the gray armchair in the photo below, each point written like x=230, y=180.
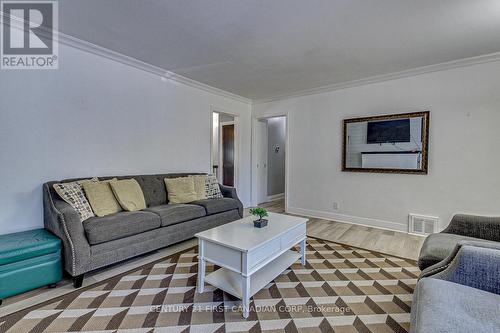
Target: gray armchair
x=461, y=293
x=438, y=246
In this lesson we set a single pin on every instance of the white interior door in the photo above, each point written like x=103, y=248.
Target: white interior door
x=261, y=139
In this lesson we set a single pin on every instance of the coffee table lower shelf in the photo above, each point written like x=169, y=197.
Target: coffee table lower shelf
x=231, y=282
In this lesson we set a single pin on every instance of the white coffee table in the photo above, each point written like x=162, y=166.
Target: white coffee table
x=250, y=257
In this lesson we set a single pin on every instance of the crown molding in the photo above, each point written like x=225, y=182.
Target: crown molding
x=141, y=65
x=492, y=57
x=164, y=74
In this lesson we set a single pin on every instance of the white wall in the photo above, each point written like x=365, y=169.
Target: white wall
x=464, y=157
x=276, y=135
x=95, y=116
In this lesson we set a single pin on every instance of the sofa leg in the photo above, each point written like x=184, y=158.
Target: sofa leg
x=52, y=285
x=78, y=281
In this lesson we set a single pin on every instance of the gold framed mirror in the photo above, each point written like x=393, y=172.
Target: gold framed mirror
x=397, y=143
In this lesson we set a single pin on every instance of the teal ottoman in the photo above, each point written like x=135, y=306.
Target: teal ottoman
x=29, y=260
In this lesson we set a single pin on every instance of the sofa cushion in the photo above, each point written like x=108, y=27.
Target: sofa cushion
x=442, y=306
x=438, y=246
x=176, y=213
x=219, y=205
x=154, y=189
x=119, y=225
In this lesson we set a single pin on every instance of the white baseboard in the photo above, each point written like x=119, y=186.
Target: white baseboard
x=364, y=221
x=275, y=197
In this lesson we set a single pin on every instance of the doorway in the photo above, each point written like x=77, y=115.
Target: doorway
x=270, y=168
x=224, y=148
x=228, y=154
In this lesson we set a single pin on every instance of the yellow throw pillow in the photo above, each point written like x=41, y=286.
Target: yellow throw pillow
x=101, y=197
x=199, y=186
x=181, y=190
x=129, y=194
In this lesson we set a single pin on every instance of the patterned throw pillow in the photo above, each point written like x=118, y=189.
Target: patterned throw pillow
x=73, y=194
x=212, y=189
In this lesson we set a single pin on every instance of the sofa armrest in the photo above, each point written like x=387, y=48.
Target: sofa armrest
x=63, y=221
x=482, y=227
x=230, y=192
x=473, y=264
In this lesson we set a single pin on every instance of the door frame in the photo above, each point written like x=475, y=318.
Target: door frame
x=261, y=176
x=256, y=152
x=237, y=142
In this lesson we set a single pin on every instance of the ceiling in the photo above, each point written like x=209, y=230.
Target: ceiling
x=260, y=49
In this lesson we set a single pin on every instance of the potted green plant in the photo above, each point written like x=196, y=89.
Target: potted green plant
x=259, y=212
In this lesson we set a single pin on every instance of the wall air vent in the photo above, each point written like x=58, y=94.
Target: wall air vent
x=422, y=225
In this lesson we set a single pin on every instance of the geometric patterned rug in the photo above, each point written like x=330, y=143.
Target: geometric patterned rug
x=341, y=289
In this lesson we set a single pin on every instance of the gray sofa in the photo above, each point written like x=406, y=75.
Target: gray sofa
x=462, y=227
x=460, y=294
x=101, y=241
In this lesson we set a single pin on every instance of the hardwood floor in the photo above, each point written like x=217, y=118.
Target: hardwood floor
x=277, y=206
x=386, y=241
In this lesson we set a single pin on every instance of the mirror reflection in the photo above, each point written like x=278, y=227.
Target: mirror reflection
x=386, y=143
